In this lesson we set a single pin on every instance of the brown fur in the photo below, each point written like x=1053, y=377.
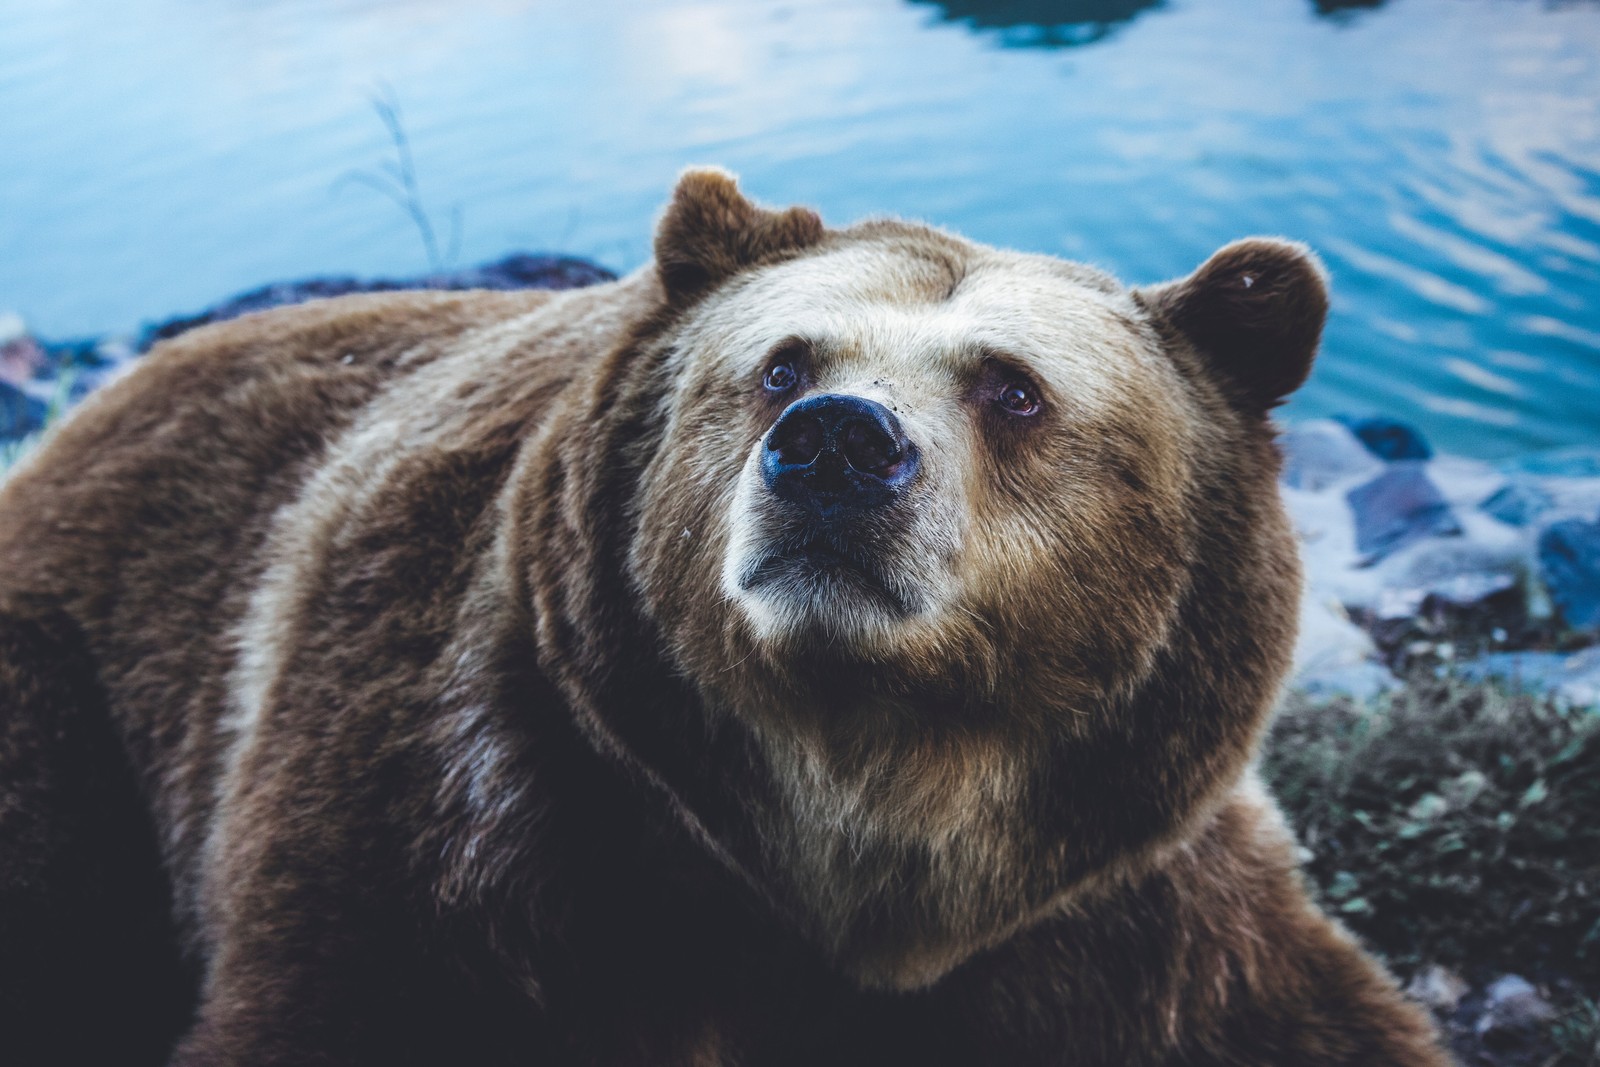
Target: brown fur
x=419, y=620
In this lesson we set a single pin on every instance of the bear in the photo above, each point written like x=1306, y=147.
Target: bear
x=820, y=646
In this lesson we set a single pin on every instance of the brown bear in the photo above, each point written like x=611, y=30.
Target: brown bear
x=819, y=647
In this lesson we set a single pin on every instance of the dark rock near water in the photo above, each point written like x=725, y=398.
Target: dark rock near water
x=1569, y=563
x=20, y=414
x=514, y=272
x=1396, y=508
x=1389, y=439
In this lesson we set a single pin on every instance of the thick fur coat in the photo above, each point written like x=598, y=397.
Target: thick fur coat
x=819, y=647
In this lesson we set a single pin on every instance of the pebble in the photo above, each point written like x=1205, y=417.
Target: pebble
x=1513, y=1009
x=1437, y=988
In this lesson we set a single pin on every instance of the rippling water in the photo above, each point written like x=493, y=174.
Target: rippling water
x=1443, y=155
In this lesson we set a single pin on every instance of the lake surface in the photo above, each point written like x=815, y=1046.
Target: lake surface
x=1442, y=155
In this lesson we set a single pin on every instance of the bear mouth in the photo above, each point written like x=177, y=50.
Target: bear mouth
x=824, y=570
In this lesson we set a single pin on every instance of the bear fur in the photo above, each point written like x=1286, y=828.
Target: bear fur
x=439, y=678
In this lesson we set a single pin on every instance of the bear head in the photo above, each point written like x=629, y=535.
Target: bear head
x=934, y=584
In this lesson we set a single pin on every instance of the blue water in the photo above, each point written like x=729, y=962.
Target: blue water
x=1443, y=155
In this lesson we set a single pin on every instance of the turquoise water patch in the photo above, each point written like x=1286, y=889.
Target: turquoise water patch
x=1442, y=155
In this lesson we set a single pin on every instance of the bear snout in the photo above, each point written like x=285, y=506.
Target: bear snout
x=836, y=452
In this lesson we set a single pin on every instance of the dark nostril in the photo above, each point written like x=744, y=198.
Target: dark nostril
x=798, y=441
x=869, y=449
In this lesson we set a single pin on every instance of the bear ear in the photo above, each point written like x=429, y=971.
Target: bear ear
x=1254, y=310
x=711, y=232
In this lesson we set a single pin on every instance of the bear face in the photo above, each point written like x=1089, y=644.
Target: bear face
x=971, y=562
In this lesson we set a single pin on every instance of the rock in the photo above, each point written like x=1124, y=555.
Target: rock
x=1513, y=1012
x=1518, y=502
x=1569, y=564
x=1573, y=498
x=519, y=271
x=1574, y=677
x=21, y=358
x=1465, y=483
x=1335, y=657
x=1396, y=508
x=1322, y=453
x=1439, y=989
x=20, y=414
x=1389, y=439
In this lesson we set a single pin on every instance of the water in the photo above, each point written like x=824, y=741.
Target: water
x=1443, y=155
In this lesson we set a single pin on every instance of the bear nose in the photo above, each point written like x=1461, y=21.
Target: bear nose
x=836, y=449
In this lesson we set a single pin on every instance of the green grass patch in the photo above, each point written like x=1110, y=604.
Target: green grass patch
x=1454, y=824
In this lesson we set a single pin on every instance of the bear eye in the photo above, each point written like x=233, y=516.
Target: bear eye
x=783, y=367
x=780, y=377
x=1019, y=398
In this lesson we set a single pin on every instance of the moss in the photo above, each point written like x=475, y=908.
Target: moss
x=1452, y=824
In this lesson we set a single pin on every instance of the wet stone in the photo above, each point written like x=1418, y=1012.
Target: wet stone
x=1437, y=988
x=1322, y=453
x=1389, y=439
x=1569, y=564
x=1518, y=503
x=1396, y=508
x=1513, y=1013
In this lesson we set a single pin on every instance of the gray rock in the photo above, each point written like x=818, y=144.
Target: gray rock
x=1398, y=507
x=1321, y=453
x=1437, y=988
x=1519, y=502
x=1513, y=1010
x=1569, y=564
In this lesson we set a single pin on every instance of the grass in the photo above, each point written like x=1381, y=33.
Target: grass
x=396, y=179
x=1451, y=824
x=1459, y=825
